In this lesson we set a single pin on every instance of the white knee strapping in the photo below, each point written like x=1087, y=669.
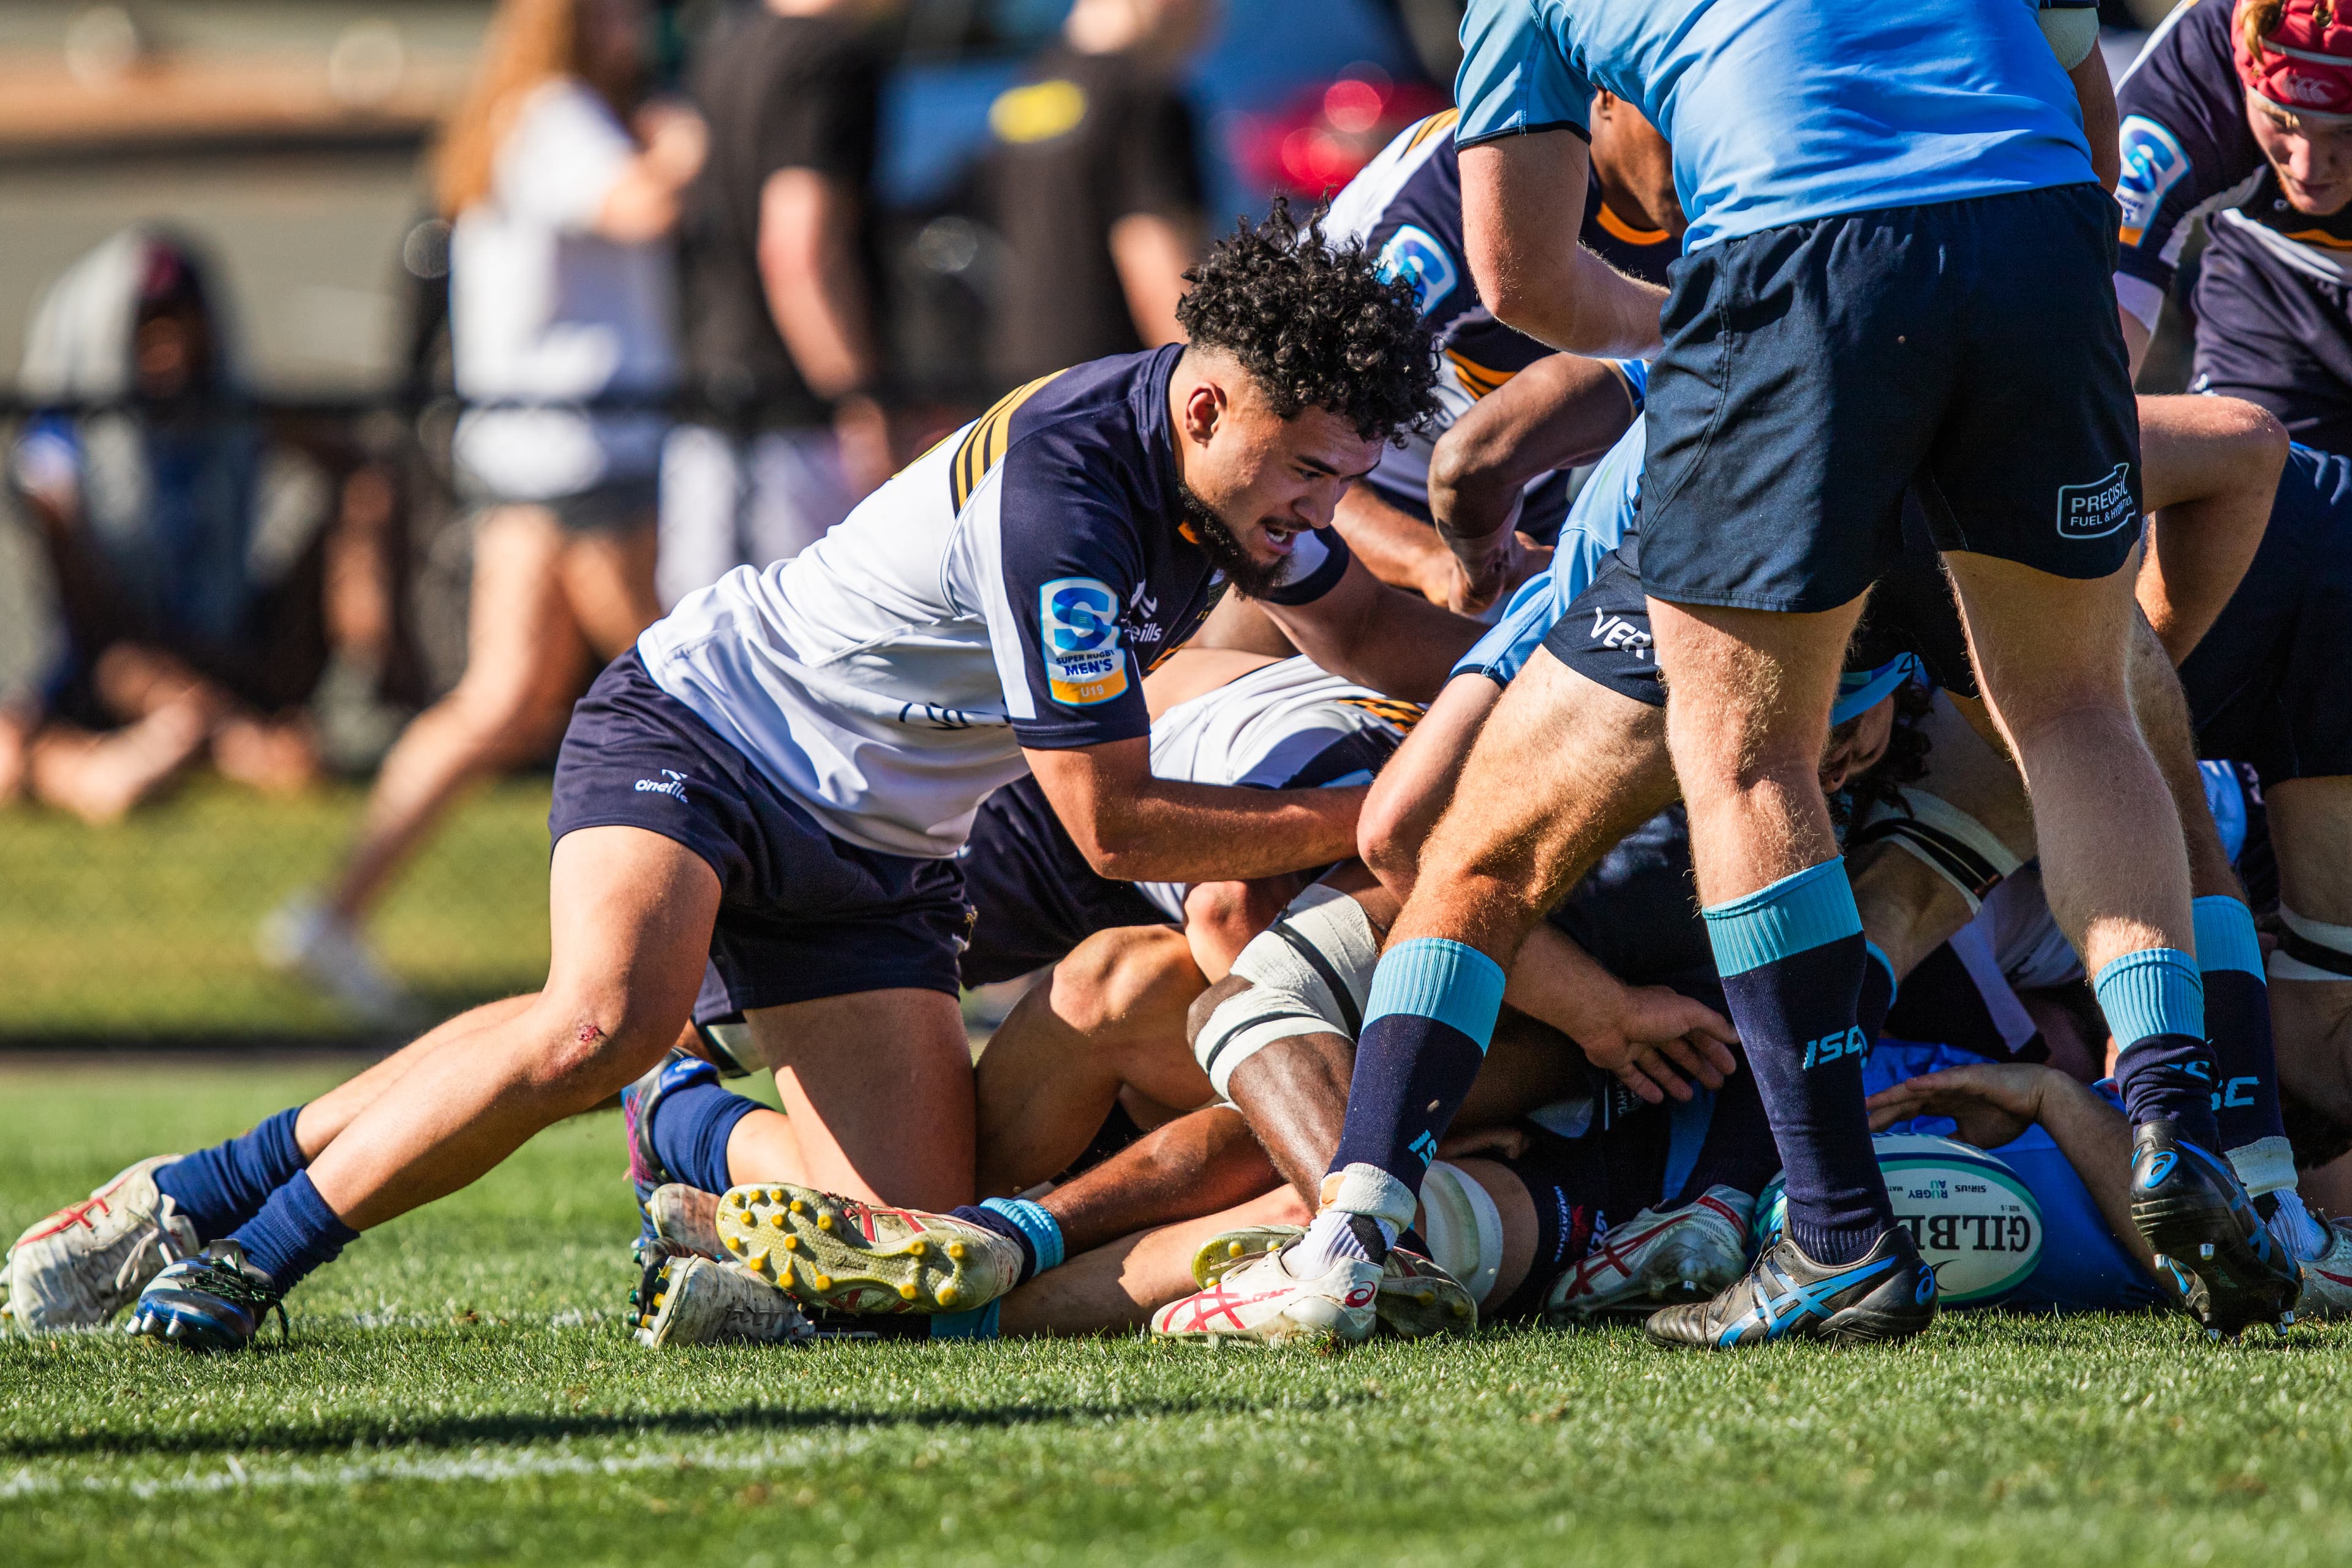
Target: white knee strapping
x=2314, y=950
x=1945, y=839
x=1310, y=974
x=1464, y=1228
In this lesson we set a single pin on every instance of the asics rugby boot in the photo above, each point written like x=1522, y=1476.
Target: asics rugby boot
x=861, y=1258
x=2214, y=1255
x=1260, y=1301
x=674, y=1071
x=1687, y=1254
x=212, y=1301
x=1887, y=1293
x=2327, y=1278
x=1417, y=1298
x=89, y=1260
x=684, y=1300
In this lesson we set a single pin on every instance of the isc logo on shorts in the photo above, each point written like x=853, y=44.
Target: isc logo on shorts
x=1415, y=255
x=2096, y=509
x=1078, y=628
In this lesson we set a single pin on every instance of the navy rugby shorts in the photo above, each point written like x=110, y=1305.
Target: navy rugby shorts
x=802, y=914
x=1605, y=633
x=2266, y=684
x=1814, y=372
x=1033, y=897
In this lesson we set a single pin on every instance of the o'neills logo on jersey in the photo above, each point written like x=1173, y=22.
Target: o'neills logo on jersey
x=1078, y=629
x=2098, y=509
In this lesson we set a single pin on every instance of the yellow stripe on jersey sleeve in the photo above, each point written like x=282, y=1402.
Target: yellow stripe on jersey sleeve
x=1402, y=715
x=985, y=443
x=1442, y=120
x=1477, y=379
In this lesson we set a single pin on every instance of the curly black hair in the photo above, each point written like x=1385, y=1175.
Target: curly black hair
x=1314, y=324
x=1904, y=761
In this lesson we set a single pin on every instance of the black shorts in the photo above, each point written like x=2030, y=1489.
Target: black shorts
x=1032, y=895
x=2275, y=336
x=1605, y=633
x=2266, y=684
x=1814, y=372
x=802, y=914
x=1636, y=912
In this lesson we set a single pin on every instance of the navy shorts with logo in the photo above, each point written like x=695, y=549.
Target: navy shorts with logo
x=1605, y=633
x=1814, y=372
x=802, y=914
x=2266, y=684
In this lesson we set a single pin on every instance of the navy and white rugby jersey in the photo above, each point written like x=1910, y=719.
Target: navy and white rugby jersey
x=1007, y=589
x=2188, y=150
x=1278, y=727
x=1784, y=111
x=1405, y=205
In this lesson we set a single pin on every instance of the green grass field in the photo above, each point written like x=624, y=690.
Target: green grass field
x=460, y=1389
x=145, y=929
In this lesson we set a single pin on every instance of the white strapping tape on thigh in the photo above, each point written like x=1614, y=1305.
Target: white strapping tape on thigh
x=1464, y=1228
x=2320, y=940
x=1310, y=972
x=1945, y=839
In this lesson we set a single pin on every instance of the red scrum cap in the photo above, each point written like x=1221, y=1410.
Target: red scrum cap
x=2295, y=55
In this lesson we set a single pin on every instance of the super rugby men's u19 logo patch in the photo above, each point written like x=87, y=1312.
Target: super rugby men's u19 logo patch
x=1414, y=254
x=2153, y=163
x=1078, y=625
x=2096, y=509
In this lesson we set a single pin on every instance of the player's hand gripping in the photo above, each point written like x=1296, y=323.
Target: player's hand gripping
x=1994, y=1103
x=1654, y=1040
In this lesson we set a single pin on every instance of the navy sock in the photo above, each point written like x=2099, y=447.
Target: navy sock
x=1037, y=1232
x=2155, y=1004
x=294, y=1233
x=1566, y=1180
x=1793, y=959
x=1426, y=1025
x=1737, y=1152
x=1878, y=988
x=2238, y=1023
x=689, y=1130
x=219, y=1188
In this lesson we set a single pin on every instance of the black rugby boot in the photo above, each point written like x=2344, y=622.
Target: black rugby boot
x=1888, y=1293
x=2214, y=1255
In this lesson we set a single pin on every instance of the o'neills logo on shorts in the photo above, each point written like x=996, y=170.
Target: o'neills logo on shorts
x=2098, y=509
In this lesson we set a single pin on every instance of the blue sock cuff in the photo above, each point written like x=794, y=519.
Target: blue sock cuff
x=2155, y=991
x=1877, y=955
x=979, y=1323
x=1044, y=1231
x=1811, y=908
x=1430, y=977
x=689, y=1129
x=2225, y=936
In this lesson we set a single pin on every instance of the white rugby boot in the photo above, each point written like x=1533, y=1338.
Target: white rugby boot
x=2327, y=1278
x=304, y=939
x=863, y=1258
x=83, y=1264
x=1661, y=1257
x=1260, y=1301
x=1417, y=1297
x=686, y=1219
x=691, y=1300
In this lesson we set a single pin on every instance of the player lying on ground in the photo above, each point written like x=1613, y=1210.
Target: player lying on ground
x=1952, y=255
x=772, y=785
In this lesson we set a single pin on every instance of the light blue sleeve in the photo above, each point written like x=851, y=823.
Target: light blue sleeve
x=1515, y=76
x=1636, y=372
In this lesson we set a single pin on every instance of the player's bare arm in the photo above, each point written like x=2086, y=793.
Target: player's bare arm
x=1522, y=206
x=1137, y=827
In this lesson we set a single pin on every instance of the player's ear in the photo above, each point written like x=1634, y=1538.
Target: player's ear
x=1204, y=409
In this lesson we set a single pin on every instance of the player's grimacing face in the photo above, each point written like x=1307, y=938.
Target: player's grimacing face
x=2312, y=157
x=1271, y=479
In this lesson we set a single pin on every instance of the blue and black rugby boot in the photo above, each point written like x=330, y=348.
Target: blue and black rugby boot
x=647, y=1173
x=2214, y=1255
x=212, y=1301
x=1887, y=1293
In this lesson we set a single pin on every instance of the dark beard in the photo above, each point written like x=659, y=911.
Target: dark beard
x=1250, y=579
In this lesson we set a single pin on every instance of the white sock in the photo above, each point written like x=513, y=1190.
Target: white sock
x=1330, y=1241
x=2292, y=1228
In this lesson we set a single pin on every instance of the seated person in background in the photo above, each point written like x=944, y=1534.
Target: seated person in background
x=189, y=572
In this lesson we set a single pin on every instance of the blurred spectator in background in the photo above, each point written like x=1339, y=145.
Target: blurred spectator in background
x=562, y=193
x=187, y=559
x=782, y=287
x=1092, y=182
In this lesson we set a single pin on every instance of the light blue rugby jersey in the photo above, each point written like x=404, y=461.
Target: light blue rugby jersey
x=1783, y=110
